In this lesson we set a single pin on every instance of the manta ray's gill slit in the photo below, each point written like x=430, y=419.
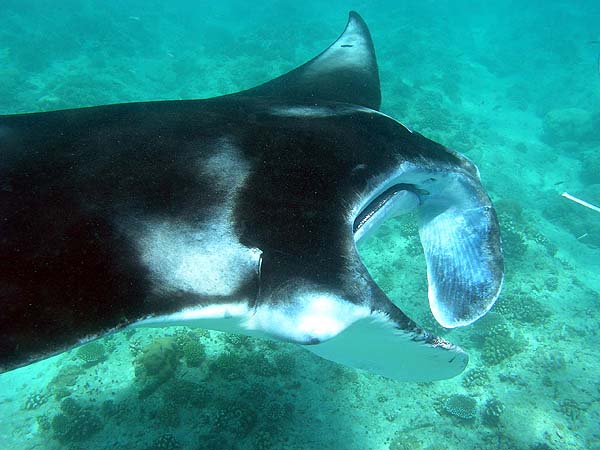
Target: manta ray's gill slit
x=378, y=203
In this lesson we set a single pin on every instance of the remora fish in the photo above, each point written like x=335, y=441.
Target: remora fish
x=240, y=213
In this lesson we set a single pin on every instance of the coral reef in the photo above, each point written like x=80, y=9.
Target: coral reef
x=461, y=406
x=275, y=412
x=285, y=363
x=476, y=378
x=570, y=125
x=228, y=366
x=238, y=341
x=549, y=360
x=260, y=365
x=165, y=442
x=521, y=307
x=184, y=392
x=157, y=364
x=492, y=411
x=167, y=414
x=75, y=423
x=514, y=245
x=573, y=410
x=35, y=400
x=496, y=338
x=91, y=354
x=562, y=214
x=63, y=383
x=115, y=410
x=262, y=440
x=405, y=441
x=500, y=344
x=236, y=418
x=44, y=423
x=191, y=347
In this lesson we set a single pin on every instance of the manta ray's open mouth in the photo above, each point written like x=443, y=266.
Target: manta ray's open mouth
x=398, y=199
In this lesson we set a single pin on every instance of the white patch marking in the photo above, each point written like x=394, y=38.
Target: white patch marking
x=207, y=259
x=312, y=316
x=319, y=111
x=190, y=316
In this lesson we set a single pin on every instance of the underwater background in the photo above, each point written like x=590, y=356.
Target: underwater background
x=515, y=86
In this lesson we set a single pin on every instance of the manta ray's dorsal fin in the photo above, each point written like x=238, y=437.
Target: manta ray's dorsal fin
x=345, y=72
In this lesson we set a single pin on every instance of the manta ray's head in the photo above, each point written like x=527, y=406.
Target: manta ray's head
x=458, y=226
x=335, y=169
x=342, y=168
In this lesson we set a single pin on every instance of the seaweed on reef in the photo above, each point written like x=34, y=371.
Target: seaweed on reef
x=157, y=364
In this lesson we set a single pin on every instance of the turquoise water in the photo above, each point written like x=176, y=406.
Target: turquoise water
x=515, y=86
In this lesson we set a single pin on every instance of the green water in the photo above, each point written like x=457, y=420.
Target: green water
x=513, y=85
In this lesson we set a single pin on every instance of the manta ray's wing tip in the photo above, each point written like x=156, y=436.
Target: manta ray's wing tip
x=378, y=345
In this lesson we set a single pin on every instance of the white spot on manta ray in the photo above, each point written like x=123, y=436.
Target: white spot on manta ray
x=318, y=111
x=206, y=259
x=197, y=260
x=313, y=315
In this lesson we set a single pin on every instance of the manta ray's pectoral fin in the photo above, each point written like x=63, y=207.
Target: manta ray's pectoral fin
x=460, y=235
x=383, y=345
x=345, y=72
x=350, y=322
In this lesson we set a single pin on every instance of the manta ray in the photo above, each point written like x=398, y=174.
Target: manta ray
x=240, y=213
